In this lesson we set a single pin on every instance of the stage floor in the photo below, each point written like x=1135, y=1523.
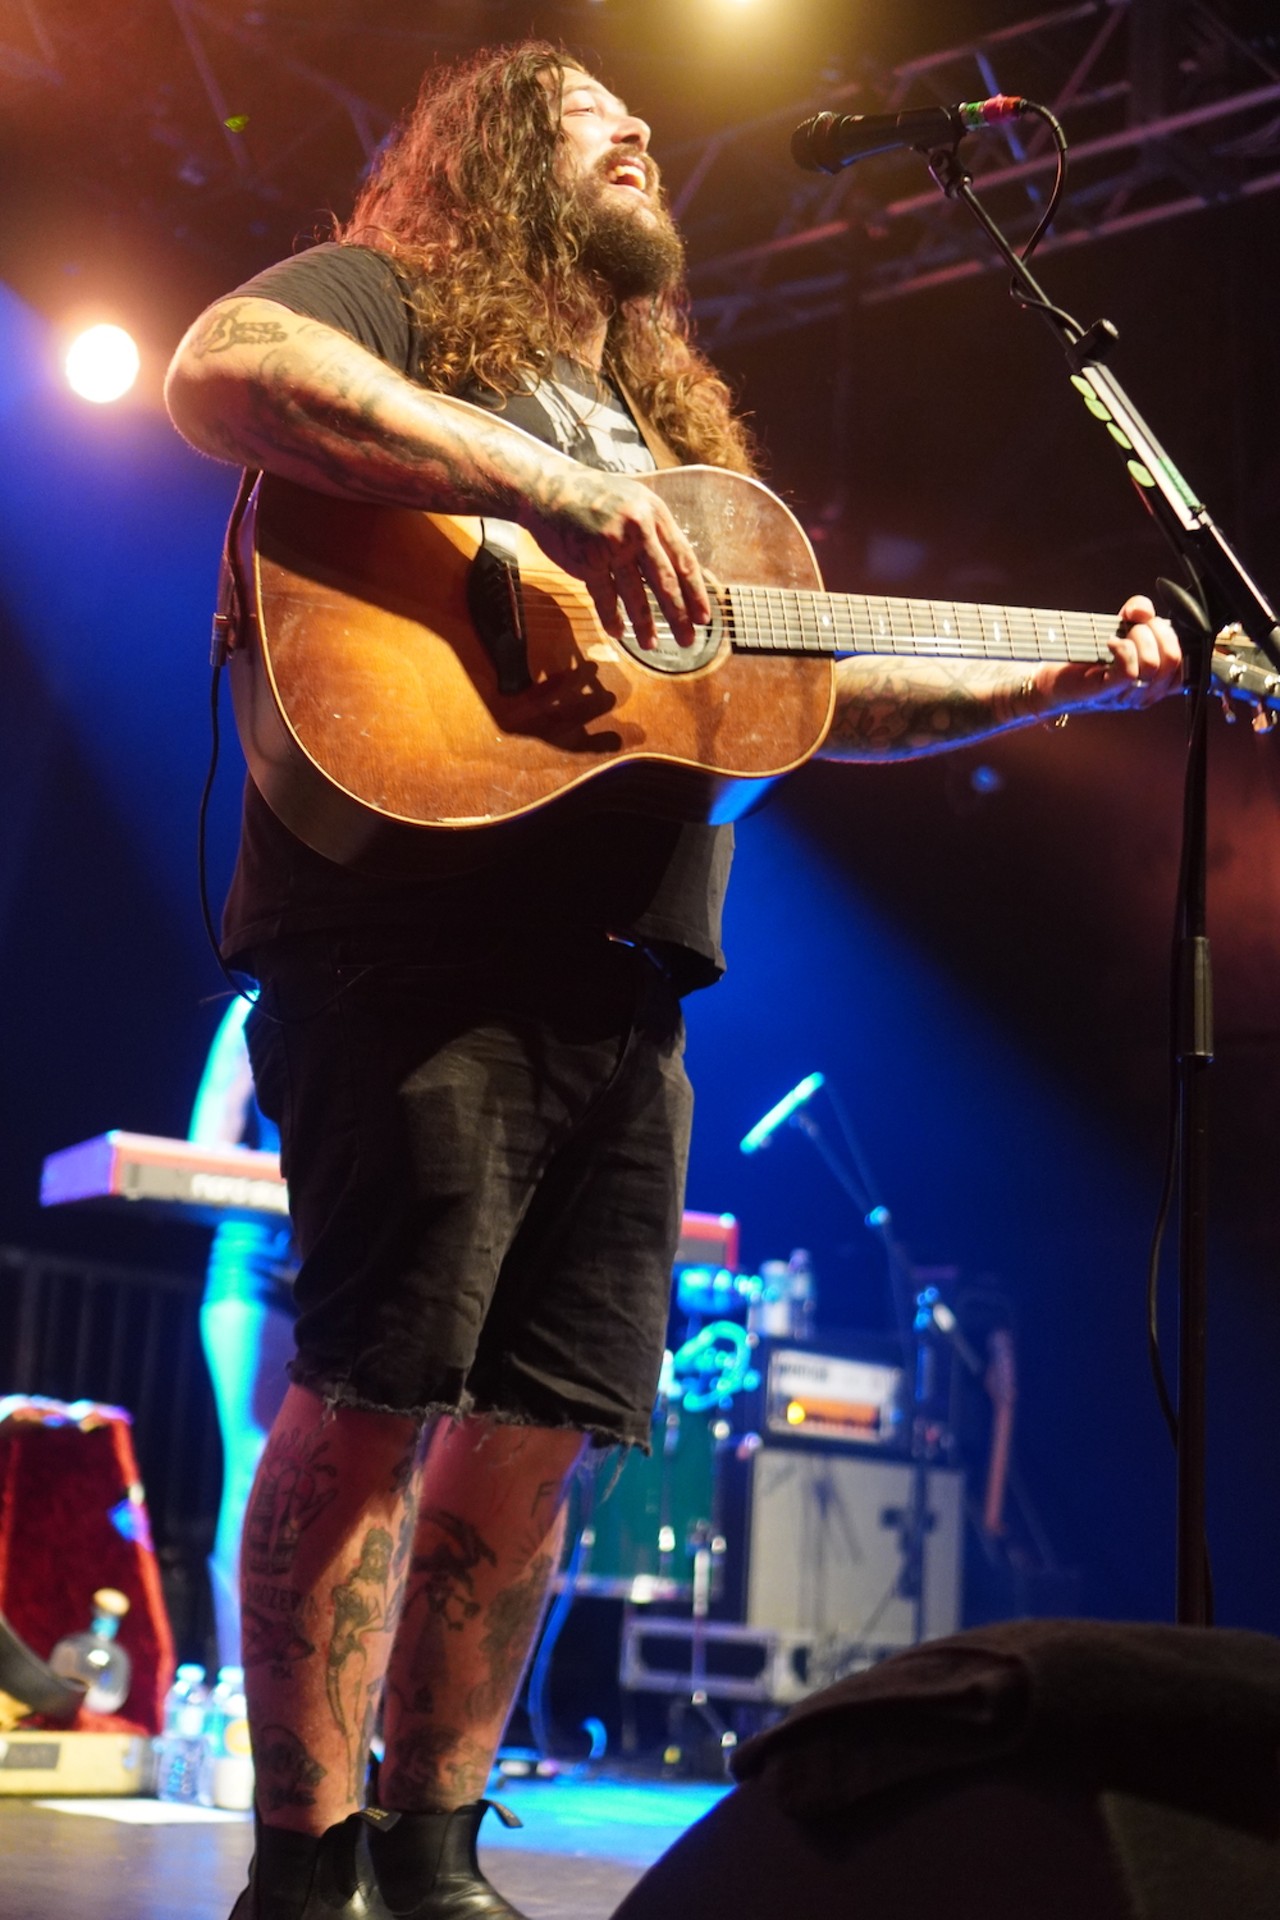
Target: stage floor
x=584, y=1842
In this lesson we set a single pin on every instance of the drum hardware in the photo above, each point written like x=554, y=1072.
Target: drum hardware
x=707, y=1546
x=747, y=1665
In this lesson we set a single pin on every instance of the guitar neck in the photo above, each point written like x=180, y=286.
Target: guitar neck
x=782, y=620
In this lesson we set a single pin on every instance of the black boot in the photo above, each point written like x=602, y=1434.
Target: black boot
x=297, y=1876
x=425, y=1864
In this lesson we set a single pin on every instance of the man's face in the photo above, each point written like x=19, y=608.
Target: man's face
x=603, y=158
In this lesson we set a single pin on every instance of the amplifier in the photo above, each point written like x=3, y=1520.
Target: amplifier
x=855, y=1395
x=814, y=1540
x=813, y=1494
x=823, y=1396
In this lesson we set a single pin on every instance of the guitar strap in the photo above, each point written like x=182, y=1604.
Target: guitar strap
x=663, y=455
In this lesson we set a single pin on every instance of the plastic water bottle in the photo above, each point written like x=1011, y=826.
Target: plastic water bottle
x=226, y=1762
x=96, y=1657
x=179, y=1747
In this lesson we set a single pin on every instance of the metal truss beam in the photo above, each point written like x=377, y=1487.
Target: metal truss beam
x=221, y=125
x=1145, y=147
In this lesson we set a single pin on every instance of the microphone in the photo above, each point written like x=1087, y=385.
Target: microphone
x=762, y=1129
x=830, y=141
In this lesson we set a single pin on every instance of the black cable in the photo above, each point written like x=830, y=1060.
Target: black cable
x=1195, y=727
x=1060, y=177
x=1198, y=694
x=251, y=993
x=226, y=625
x=1173, y=1143
x=202, y=832
x=1060, y=317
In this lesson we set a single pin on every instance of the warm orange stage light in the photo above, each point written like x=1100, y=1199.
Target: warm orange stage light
x=102, y=364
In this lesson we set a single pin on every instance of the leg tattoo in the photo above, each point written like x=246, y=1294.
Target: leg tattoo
x=286, y=1773
x=442, y=1594
x=360, y=1609
x=276, y=1627
x=511, y=1622
x=294, y=1486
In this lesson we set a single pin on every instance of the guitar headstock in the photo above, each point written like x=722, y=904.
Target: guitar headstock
x=1242, y=672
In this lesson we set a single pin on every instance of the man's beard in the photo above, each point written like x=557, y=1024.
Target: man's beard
x=635, y=251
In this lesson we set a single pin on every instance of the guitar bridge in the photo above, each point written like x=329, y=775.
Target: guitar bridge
x=496, y=605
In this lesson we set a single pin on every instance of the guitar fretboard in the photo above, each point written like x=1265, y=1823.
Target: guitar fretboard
x=783, y=620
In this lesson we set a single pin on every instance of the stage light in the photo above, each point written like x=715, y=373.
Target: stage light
x=102, y=364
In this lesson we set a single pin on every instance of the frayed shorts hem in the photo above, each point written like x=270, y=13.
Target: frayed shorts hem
x=336, y=1394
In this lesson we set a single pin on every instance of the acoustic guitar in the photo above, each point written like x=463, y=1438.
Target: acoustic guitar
x=395, y=671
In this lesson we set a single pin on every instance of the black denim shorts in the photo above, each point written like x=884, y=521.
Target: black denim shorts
x=486, y=1162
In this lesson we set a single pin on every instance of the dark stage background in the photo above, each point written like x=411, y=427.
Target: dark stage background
x=976, y=960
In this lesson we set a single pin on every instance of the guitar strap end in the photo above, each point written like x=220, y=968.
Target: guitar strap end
x=232, y=611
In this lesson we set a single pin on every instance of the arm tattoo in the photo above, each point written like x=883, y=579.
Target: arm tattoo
x=895, y=710
x=303, y=399
x=223, y=328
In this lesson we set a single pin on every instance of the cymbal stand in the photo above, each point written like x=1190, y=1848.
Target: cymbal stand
x=706, y=1545
x=917, y=1336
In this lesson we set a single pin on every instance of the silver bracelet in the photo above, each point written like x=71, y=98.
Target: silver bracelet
x=1027, y=692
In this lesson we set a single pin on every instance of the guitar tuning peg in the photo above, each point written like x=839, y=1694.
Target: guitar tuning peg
x=1228, y=710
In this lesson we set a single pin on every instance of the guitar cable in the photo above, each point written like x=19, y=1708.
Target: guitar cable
x=1198, y=691
x=202, y=832
x=227, y=620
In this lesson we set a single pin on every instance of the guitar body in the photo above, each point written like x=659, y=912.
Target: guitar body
x=369, y=705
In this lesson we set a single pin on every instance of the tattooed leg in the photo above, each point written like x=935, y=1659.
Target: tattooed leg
x=359, y=1614
x=485, y=1550
x=326, y=1549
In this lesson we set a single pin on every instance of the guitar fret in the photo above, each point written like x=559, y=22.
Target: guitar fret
x=782, y=620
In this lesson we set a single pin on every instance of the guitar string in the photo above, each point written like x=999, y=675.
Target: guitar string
x=784, y=620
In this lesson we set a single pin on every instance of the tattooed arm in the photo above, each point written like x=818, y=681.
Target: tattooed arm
x=259, y=385
x=898, y=709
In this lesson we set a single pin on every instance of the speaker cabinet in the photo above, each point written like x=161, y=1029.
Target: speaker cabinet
x=823, y=1529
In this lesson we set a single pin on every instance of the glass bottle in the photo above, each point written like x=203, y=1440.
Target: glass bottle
x=96, y=1657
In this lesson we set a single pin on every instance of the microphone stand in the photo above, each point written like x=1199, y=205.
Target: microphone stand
x=1222, y=594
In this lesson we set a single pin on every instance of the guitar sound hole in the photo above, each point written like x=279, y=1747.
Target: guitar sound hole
x=668, y=656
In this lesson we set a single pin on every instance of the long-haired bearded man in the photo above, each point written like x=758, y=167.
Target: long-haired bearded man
x=476, y=1063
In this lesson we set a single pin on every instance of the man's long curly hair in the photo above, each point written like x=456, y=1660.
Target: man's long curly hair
x=488, y=242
